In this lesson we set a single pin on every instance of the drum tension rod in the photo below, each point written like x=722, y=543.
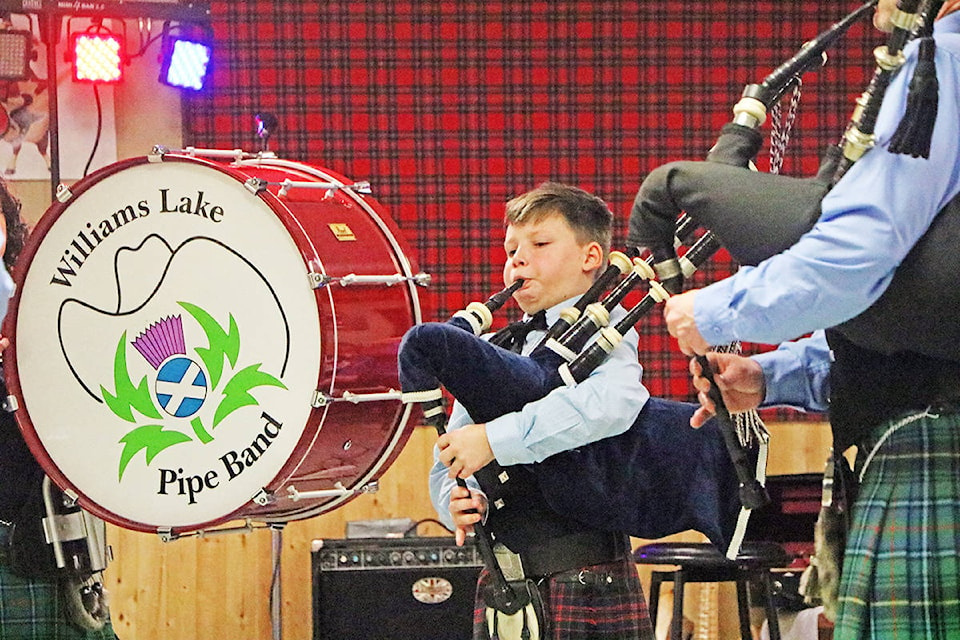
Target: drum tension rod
x=259, y=185
x=319, y=280
x=362, y=186
x=338, y=491
x=321, y=399
x=166, y=533
x=237, y=155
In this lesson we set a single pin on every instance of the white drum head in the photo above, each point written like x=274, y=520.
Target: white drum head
x=170, y=308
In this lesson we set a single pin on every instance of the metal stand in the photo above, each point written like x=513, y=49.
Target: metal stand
x=276, y=602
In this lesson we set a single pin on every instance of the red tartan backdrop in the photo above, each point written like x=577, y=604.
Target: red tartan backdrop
x=451, y=108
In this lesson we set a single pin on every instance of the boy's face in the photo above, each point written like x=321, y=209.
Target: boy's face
x=553, y=265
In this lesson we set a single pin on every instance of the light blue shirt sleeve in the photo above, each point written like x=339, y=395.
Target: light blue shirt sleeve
x=603, y=405
x=797, y=374
x=870, y=220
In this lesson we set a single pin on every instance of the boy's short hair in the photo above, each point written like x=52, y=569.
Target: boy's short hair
x=588, y=215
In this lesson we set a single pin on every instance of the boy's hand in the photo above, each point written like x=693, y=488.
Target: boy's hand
x=462, y=501
x=465, y=450
x=739, y=379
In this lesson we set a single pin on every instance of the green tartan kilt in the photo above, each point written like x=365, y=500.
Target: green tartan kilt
x=34, y=610
x=901, y=570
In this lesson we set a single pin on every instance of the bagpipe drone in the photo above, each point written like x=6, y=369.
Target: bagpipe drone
x=757, y=215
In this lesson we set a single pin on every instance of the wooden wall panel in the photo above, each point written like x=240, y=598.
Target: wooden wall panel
x=219, y=586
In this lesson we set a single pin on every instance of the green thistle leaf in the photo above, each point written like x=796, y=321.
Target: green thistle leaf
x=236, y=393
x=221, y=343
x=151, y=437
x=126, y=396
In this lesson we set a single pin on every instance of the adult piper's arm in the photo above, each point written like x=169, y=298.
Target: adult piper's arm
x=870, y=220
x=797, y=374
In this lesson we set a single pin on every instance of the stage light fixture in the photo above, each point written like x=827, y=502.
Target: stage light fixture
x=15, y=54
x=185, y=63
x=97, y=57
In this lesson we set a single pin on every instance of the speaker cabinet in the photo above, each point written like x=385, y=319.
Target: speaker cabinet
x=393, y=589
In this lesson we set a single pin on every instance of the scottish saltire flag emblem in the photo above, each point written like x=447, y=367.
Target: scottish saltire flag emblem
x=181, y=387
x=181, y=384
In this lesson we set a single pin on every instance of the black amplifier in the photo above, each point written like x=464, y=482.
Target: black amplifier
x=393, y=588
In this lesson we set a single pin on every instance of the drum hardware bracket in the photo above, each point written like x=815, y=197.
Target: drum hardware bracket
x=263, y=497
x=338, y=491
x=63, y=193
x=321, y=399
x=10, y=404
x=319, y=280
x=70, y=496
x=255, y=185
x=156, y=153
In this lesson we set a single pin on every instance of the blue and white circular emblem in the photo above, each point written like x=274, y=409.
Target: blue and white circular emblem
x=181, y=387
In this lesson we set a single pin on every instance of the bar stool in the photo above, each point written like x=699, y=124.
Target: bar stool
x=702, y=562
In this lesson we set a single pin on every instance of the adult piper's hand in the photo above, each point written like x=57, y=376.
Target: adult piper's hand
x=739, y=379
x=678, y=314
x=465, y=450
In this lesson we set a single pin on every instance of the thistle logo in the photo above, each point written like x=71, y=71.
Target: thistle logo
x=183, y=385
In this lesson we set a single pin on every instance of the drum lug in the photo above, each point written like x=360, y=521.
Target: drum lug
x=63, y=193
x=156, y=154
x=165, y=534
x=10, y=404
x=320, y=399
x=317, y=280
x=256, y=186
x=263, y=497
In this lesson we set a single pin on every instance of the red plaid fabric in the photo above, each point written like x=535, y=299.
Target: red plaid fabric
x=451, y=108
x=586, y=611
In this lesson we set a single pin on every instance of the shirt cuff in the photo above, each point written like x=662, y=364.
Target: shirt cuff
x=712, y=313
x=504, y=441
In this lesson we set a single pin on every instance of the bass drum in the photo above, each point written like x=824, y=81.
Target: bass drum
x=195, y=342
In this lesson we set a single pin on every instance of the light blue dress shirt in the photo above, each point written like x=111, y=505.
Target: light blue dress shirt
x=603, y=405
x=870, y=221
x=796, y=374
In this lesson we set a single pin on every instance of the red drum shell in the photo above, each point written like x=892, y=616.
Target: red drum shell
x=182, y=342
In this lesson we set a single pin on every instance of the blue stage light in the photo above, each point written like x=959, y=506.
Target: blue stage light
x=185, y=63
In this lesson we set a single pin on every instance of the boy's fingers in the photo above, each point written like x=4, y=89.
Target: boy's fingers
x=705, y=402
x=699, y=417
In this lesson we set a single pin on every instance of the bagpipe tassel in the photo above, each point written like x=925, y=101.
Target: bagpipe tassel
x=915, y=131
